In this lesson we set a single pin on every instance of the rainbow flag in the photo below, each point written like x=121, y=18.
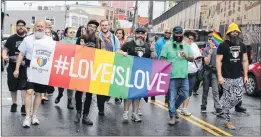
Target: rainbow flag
x=98, y=71
x=216, y=38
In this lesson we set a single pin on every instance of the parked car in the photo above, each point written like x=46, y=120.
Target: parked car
x=254, y=74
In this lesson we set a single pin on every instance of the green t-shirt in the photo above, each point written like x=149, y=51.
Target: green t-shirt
x=179, y=63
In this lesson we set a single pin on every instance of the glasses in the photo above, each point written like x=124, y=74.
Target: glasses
x=178, y=32
x=167, y=32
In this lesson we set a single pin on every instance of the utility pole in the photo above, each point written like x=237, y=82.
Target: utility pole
x=134, y=21
x=150, y=15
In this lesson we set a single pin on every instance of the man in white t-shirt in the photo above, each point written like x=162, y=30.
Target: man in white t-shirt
x=26, y=51
x=193, y=67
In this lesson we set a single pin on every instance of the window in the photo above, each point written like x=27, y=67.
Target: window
x=221, y=10
x=239, y=2
x=33, y=20
x=52, y=19
x=238, y=9
x=244, y=16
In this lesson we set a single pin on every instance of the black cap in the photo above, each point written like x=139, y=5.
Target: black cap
x=177, y=29
x=93, y=22
x=20, y=21
x=140, y=30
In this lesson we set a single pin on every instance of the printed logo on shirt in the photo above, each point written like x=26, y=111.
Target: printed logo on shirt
x=235, y=54
x=140, y=51
x=41, y=61
x=17, y=44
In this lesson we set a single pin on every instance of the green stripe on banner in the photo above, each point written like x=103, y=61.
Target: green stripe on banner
x=123, y=70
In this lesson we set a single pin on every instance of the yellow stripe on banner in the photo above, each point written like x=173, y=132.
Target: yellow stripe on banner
x=102, y=72
x=201, y=121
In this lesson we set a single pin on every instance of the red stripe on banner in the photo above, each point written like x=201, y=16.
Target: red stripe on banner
x=61, y=65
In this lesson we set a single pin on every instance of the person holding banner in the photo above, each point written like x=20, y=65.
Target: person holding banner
x=137, y=47
x=10, y=53
x=111, y=42
x=88, y=40
x=179, y=54
x=69, y=35
x=26, y=50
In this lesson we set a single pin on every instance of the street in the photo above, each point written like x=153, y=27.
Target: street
x=57, y=120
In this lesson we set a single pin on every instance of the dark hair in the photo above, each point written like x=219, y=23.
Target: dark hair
x=57, y=30
x=190, y=33
x=123, y=33
x=78, y=33
x=66, y=31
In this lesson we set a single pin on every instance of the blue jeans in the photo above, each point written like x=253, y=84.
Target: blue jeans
x=178, y=93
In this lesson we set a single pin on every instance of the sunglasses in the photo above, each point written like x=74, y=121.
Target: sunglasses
x=192, y=39
x=167, y=32
x=209, y=38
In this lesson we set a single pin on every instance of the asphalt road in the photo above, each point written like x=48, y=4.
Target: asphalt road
x=57, y=120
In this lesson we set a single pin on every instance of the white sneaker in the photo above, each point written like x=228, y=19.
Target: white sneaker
x=27, y=123
x=139, y=112
x=135, y=118
x=125, y=117
x=35, y=120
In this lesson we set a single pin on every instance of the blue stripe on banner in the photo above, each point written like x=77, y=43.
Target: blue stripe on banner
x=139, y=78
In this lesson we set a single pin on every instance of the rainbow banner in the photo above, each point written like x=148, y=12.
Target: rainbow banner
x=97, y=71
x=216, y=38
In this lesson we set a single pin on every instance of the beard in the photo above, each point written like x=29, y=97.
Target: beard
x=139, y=41
x=104, y=31
x=39, y=34
x=167, y=38
x=90, y=35
x=20, y=32
x=235, y=40
x=178, y=38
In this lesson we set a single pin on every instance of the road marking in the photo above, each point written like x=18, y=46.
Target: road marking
x=201, y=121
x=189, y=120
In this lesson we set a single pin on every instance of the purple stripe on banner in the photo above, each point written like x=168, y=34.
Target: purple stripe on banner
x=159, y=78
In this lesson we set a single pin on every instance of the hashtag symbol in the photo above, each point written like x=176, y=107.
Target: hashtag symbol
x=61, y=65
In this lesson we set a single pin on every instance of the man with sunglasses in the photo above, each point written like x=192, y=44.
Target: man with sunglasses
x=178, y=54
x=10, y=53
x=231, y=59
x=158, y=48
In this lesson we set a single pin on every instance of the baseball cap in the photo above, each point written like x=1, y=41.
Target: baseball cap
x=140, y=30
x=177, y=29
x=93, y=22
x=20, y=21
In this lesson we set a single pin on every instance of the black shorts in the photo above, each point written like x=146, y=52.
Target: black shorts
x=37, y=87
x=13, y=83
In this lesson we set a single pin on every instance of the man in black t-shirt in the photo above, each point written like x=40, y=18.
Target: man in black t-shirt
x=137, y=47
x=10, y=53
x=231, y=59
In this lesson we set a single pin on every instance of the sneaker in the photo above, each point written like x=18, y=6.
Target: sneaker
x=101, y=113
x=139, y=112
x=172, y=121
x=203, y=109
x=240, y=109
x=135, y=118
x=27, y=123
x=177, y=116
x=78, y=117
x=118, y=101
x=185, y=112
x=230, y=126
x=35, y=120
x=14, y=108
x=86, y=120
x=195, y=93
x=23, y=110
x=125, y=117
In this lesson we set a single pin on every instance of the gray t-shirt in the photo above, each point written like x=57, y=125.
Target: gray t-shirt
x=213, y=56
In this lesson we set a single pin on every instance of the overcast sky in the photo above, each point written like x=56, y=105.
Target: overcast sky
x=142, y=7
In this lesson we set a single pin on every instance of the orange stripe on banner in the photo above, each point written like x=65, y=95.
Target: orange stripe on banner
x=81, y=76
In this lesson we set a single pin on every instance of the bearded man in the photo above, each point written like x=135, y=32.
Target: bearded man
x=139, y=48
x=26, y=51
x=231, y=59
x=10, y=54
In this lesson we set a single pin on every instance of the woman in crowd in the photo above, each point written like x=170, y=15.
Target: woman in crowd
x=121, y=36
x=69, y=35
